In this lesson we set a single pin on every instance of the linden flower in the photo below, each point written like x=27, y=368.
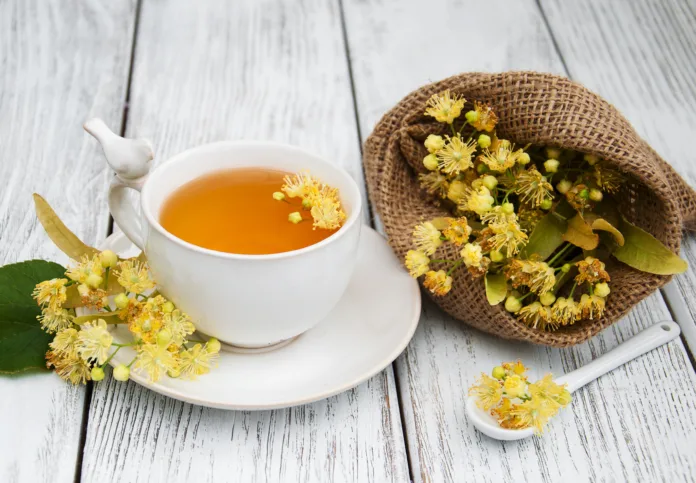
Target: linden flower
x=85, y=268
x=536, y=316
x=445, y=107
x=565, y=311
x=439, y=283
x=434, y=143
x=64, y=341
x=328, y=214
x=548, y=390
x=486, y=119
x=591, y=270
x=503, y=414
x=516, y=368
x=196, y=361
x=591, y=306
x=508, y=237
x=55, y=320
x=457, y=231
x=471, y=254
x=51, y=293
x=180, y=326
x=134, y=276
x=456, y=156
x=608, y=179
x=94, y=341
x=69, y=367
x=502, y=157
x=534, y=413
x=488, y=392
x=156, y=360
x=479, y=201
x=426, y=238
x=532, y=188
x=515, y=386
x=298, y=185
x=94, y=298
x=498, y=215
x=146, y=323
x=417, y=263
x=538, y=276
x=318, y=194
x=435, y=183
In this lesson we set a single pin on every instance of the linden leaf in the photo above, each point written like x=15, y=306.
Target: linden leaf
x=580, y=234
x=646, y=253
x=23, y=343
x=546, y=237
x=60, y=234
x=600, y=224
x=496, y=288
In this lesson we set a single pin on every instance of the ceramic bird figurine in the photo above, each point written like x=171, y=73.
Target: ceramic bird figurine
x=129, y=158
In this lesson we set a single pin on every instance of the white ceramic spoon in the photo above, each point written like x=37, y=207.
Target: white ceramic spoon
x=639, y=344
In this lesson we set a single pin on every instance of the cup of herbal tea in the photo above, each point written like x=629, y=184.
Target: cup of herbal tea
x=219, y=239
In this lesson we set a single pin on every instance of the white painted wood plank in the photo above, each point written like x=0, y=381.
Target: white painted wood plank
x=631, y=425
x=215, y=70
x=62, y=62
x=641, y=56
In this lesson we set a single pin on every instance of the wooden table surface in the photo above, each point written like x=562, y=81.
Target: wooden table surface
x=319, y=74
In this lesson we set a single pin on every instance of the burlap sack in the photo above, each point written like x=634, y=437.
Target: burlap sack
x=545, y=110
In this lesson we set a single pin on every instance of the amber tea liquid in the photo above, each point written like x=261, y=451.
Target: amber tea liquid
x=233, y=211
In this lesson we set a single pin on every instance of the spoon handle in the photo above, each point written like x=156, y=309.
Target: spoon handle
x=645, y=341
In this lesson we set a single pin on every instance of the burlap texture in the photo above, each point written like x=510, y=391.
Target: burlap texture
x=542, y=109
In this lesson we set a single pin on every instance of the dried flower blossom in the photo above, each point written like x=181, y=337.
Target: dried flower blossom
x=427, y=238
x=534, y=413
x=488, y=392
x=457, y=191
x=456, y=156
x=486, y=118
x=591, y=270
x=457, y=231
x=69, y=366
x=536, y=316
x=445, y=106
x=53, y=320
x=435, y=183
x=507, y=237
x=591, y=306
x=538, y=276
x=565, y=311
x=532, y=187
x=439, y=283
x=51, y=293
x=328, y=214
x=64, y=341
x=608, y=179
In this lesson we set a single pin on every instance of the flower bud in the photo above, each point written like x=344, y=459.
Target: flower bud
x=164, y=337
x=306, y=204
x=566, y=267
x=596, y=195
x=551, y=165
x=553, y=153
x=489, y=181
x=430, y=162
x=584, y=194
x=602, y=289
x=508, y=208
x=278, y=196
x=97, y=373
x=512, y=304
x=498, y=372
x=174, y=373
x=472, y=116
x=83, y=290
x=481, y=168
x=147, y=325
x=484, y=141
x=547, y=298
x=213, y=345
x=563, y=186
x=496, y=256
x=523, y=159
x=121, y=373
x=456, y=191
x=591, y=159
x=167, y=307
x=295, y=217
x=94, y=280
x=434, y=143
x=546, y=204
x=477, y=183
x=108, y=258
x=121, y=300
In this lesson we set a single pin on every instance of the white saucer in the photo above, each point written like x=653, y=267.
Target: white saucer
x=368, y=329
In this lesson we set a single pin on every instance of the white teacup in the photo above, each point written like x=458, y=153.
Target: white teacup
x=243, y=300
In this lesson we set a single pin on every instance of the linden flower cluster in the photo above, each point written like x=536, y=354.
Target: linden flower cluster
x=115, y=292
x=514, y=401
x=319, y=199
x=497, y=194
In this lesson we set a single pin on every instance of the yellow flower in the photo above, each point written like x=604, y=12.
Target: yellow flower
x=498, y=215
x=457, y=231
x=156, y=360
x=318, y=194
x=85, y=268
x=591, y=270
x=51, y=293
x=457, y=191
x=488, y=392
x=180, y=326
x=608, y=179
x=534, y=413
x=471, y=254
x=298, y=185
x=64, y=341
x=134, y=276
x=55, y=320
x=417, y=263
x=515, y=386
x=93, y=297
x=546, y=388
x=434, y=143
x=196, y=361
x=532, y=188
x=538, y=276
x=328, y=214
x=516, y=368
x=486, y=119
x=507, y=237
x=445, y=107
x=505, y=418
x=426, y=237
x=69, y=366
x=94, y=341
x=479, y=201
x=501, y=156
x=565, y=311
x=456, y=156
x=435, y=183
x=439, y=283
x=146, y=322
x=536, y=316
x=591, y=306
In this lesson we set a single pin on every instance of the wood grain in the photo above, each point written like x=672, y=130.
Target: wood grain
x=62, y=62
x=631, y=425
x=215, y=70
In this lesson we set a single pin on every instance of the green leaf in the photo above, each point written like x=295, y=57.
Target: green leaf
x=60, y=234
x=23, y=344
x=600, y=224
x=546, y=237
x=496, y=288
x=646, y=253
x=580, y=234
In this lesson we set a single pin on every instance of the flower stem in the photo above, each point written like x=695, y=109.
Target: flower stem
x=111, y=356
x=560, y=253
x=471, y=136
x=106, y=277
x=454, y=133
x=525, y=296
x=123, y=345
x=455, y=266
x=572, y=290
x=131, y=362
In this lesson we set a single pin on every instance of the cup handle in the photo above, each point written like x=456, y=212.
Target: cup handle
x=123, y=211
